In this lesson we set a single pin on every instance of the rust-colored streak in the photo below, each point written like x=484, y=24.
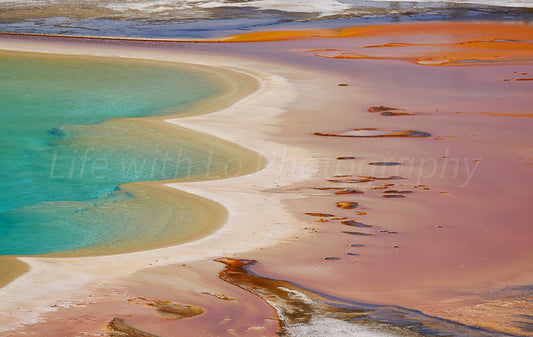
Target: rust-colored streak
x=374, y=133
x=323, y=215
x=383, y=108
x=315, y=50
x=118, y=327
x=355, y=224
x=390, y=45
x=348, y=191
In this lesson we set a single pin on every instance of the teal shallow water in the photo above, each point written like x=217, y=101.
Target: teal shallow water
x=60, y=166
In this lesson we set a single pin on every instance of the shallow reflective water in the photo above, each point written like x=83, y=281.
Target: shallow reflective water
x=60, y=169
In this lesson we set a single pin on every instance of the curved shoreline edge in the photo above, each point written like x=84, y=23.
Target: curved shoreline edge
x=172, y=227
x=53, y=278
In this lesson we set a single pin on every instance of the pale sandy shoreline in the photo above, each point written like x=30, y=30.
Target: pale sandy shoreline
x=71, y=278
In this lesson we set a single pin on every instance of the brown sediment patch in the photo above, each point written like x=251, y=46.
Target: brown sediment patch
x=374, y=132
x=382, y=187
x=222, y=297
x=389, y=111
x=388, y=232
x=348, y=191
x=384, y=178
x=119, y=327
x=356, y=233
x=176, y=310
x=345, y=158
x=332, y=258
x=397, y=192
x=340, y=191
x=325, y=215
x=520, y=79
x=170, y=309
x=11, y=269
x=383, y=108
x=355, y=223
x=347, y=204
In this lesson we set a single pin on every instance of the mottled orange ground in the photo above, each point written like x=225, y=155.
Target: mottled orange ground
x=436, y=43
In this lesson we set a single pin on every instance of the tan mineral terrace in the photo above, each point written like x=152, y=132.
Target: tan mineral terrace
x=255, y=219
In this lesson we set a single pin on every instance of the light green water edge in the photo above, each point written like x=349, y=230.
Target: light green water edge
x=141, y=215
